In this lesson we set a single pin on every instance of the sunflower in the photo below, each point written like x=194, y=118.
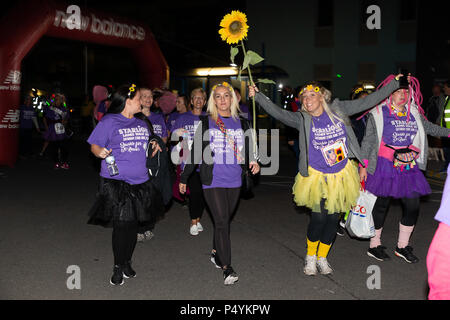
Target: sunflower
x=234, y=27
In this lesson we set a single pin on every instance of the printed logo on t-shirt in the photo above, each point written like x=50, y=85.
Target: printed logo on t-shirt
x=404, y=131
x=224, y=148
x=335, y=153
x=133, y=139
x=331, y=142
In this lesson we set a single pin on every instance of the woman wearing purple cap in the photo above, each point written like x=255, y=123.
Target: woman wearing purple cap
x=126, y=197
x=222, y=164
x=394, y=151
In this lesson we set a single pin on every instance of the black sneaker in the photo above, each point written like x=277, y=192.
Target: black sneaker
x=229, y=276
x=378, y=253
x=215, y=260
x=406, y=253
x=128, y=272
x=341, y=230
x=117, y=277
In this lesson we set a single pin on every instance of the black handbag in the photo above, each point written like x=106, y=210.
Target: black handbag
x=247, y=185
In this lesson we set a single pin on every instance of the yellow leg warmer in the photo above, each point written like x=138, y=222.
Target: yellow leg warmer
x=323, y=250
x=312, y=247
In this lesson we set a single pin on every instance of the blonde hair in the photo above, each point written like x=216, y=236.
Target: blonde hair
x=193, y=92
x=212, y=108
x=325, y=99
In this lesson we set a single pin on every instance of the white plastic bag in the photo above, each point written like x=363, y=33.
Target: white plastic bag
x=359, y=223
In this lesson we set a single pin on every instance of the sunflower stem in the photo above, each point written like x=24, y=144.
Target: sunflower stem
x=253, y=102
x=252, y=84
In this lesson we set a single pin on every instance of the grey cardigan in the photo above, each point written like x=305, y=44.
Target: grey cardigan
x=374, y=129
x=302, y=120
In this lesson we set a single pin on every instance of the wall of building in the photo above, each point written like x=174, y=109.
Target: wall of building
x=294, y=43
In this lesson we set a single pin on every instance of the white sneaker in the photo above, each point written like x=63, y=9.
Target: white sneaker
x=310, y=268
x=194, y=230
x=148, y=235
x=140, y=237
x=199, y=227
x=323, y=266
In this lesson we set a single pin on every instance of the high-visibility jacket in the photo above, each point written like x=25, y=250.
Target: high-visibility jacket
x=445, y=119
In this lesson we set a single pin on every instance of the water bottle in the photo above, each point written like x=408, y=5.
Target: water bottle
x=112, y=166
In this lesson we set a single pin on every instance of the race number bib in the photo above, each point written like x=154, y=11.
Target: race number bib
x=59, y=128
x=335, y=153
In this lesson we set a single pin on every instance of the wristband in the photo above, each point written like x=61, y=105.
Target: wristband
x=366, y=163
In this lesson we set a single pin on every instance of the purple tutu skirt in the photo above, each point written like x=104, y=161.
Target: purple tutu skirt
x=388, y=181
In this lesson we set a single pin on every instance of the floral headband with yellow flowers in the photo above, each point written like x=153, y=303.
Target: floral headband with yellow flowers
x=310, y=87
x=358, y=90
x=223, y=84
x=131, y=90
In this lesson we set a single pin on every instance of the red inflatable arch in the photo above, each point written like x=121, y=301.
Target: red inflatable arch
x=30, y=20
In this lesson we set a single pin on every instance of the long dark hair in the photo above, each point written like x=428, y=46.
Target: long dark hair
x=119, y=98
x=186, y=101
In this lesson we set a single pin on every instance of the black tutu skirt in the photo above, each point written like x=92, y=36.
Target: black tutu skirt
x=119, y=201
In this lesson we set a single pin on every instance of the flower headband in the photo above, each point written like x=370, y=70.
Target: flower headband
x=358, y=90
x=310, y=87
x=223, y=84
x=131, y=90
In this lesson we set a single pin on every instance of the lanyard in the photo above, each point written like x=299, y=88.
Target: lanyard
x=230, y=140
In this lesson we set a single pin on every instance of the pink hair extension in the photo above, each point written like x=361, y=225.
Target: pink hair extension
x=382, y=84
x=414, y=95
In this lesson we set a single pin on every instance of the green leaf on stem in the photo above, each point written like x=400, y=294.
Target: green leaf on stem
x=233, y=52
x=266, y=81
x=254, y=57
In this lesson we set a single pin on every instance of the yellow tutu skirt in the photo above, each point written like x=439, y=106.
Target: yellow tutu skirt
x=340, y=190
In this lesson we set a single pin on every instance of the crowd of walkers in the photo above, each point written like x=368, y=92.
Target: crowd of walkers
x=197, y=151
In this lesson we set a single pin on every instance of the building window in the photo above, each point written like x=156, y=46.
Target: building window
x=366, y=36
x=325, y=13
x=406, y=66
x=323, y=74
x=324, y=32
x=408, y=10
x=367, y=72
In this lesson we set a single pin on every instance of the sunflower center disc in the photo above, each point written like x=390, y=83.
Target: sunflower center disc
x=235, y=27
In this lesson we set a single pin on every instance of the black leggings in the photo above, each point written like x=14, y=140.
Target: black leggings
x=222, y=202
x=124, y=241
x=196, y=199
x=323, y=226
x=60, y=151
x=410, y=211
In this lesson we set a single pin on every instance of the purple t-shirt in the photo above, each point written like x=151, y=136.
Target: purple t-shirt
x=27, y=113
x=328, y=151
x=246, y=112
x=185, y=126
x=159, y=125
x=171, y=119
x=227, y=170
x=443, y=214
x=128, y=140
x=397, y=131
x=56, y=130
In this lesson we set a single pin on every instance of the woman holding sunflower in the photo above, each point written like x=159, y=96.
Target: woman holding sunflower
x=327, y=182
x=222, y=163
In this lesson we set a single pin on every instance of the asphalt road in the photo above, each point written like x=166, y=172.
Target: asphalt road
x=43, y=235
